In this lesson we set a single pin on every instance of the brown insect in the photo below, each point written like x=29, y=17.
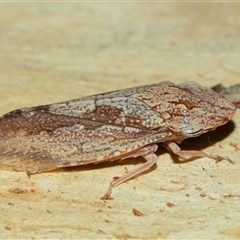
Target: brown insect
x=110, y=126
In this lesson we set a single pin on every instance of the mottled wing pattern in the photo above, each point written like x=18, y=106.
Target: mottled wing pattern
x=99, y=128
x=117, y=108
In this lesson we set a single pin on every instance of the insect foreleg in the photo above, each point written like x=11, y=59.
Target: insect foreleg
x=189, y=154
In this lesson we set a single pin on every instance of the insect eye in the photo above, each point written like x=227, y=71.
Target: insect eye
x=192, y=130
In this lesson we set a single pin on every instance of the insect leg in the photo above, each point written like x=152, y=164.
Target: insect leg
x=146, y=152
x=188, y=154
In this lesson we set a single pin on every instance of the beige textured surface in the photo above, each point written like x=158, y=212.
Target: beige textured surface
x=51, y=52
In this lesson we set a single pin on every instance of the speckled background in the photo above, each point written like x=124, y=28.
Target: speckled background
x=51, y=52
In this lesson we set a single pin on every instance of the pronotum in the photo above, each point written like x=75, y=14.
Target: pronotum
x=112, y=126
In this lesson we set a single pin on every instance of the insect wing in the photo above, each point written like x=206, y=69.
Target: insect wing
x=77, y=132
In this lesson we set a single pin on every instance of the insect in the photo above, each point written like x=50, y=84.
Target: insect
x=232, y=93
x=112, y=126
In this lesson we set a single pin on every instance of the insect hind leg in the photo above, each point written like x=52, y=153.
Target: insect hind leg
x=148, y=153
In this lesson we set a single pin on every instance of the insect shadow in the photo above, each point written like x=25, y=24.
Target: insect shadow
x=107, y=164
x=205, y=140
